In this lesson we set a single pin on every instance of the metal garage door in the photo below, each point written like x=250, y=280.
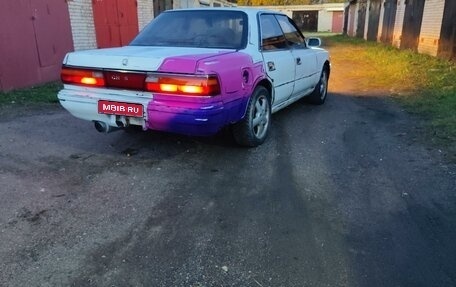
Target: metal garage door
x=306, y=20
x=447, y=47
x=35, y=35
x=412, y=24
x=374, y=19
x=337, y=22
x=362, y=7
x=389, y=18
x=116, y=22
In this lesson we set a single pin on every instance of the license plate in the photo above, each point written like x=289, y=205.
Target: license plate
x=120, y=109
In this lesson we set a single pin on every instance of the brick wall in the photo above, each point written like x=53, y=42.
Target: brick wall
x=179, y=4
x=82, y=26
x=397, y=35
x=431, y=26
x=145, y=12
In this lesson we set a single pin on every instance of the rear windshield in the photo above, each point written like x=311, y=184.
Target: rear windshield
x=203, y=29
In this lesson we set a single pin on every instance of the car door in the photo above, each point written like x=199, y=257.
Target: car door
x=278, y=60
x=305, y=58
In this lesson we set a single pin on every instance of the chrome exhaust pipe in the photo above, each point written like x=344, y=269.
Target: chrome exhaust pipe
x=103, y=127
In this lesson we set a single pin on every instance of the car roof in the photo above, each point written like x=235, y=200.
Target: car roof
x=248, y=10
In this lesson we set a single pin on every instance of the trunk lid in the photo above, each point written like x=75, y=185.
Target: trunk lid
x=140, y=58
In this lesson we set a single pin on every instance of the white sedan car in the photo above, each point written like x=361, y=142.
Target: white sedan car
x=195, y=71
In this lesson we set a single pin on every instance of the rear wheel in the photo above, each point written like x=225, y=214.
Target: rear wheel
x=318, y=95
x=253, y=129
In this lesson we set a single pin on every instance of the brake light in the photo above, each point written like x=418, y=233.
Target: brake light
x=176, y=84
x=82, y=77
x=193, y=85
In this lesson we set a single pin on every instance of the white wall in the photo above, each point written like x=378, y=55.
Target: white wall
x=380, y=22
x=431, y=26
x=400, y=13
x=82, y=25
x=366, y=23
x=145, y=12
x=179, y=4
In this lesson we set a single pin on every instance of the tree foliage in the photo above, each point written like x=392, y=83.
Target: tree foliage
x=284, y=2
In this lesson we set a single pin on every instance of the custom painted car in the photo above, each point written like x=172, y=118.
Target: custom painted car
x=195, y=71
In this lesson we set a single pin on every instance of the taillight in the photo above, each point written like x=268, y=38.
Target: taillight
x=191, y=85
x=184, y=85
x=82, y=77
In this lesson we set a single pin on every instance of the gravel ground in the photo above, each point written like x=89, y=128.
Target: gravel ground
x=344, y=194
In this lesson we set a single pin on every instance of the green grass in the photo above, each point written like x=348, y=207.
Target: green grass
x=46, y=93
x=319, y=34
x=424, y=85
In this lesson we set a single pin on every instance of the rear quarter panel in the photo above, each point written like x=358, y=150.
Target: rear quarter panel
x=238, y=75
x=236, y=71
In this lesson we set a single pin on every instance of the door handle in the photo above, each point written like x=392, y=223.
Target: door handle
x=298, y=61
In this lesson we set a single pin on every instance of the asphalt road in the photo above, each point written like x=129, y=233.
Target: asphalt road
x=344, y=194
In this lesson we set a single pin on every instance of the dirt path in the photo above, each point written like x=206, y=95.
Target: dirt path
x=349, y=75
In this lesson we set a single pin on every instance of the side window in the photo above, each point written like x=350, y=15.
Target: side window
x=272, y=37
x=293, y=36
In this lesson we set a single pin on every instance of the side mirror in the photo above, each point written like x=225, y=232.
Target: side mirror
x=313, y=42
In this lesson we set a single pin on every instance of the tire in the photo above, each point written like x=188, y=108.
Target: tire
x=318, y=96
x=253, y=129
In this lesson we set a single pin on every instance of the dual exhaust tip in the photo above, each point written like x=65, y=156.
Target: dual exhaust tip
x=103, y=127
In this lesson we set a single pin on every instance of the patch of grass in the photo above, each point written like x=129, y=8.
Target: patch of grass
x=46, y=93
x=425, y=85
x=438, y=105
x=341, y=39
x=319, y=34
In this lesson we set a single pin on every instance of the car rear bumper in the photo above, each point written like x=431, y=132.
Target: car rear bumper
x=190, y=117
x=194, y=119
